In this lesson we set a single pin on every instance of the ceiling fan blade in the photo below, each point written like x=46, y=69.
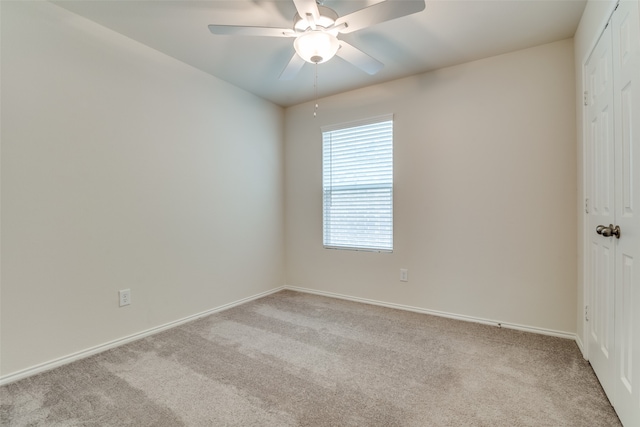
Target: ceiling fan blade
x=358, y=58
x=293, y=68
x=308, y=9
x=379, y=12
x=238, y=30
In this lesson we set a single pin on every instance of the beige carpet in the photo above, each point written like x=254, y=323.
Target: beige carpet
x=293, y=359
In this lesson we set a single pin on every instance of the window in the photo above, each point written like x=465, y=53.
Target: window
x=357, y=182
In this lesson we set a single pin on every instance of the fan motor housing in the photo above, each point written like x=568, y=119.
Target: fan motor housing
x=327, y=18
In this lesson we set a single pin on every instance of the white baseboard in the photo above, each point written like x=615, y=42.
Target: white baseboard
x=533, y=329
x=581, y=347
x=15, y=376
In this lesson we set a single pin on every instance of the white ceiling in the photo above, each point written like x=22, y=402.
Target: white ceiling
x=447, y=32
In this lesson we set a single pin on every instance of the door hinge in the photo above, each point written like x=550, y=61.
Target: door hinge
x=586, y=98
x=586, y=205
x=586, y=313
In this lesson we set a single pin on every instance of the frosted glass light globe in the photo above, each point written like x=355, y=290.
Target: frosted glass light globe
x=316, y=46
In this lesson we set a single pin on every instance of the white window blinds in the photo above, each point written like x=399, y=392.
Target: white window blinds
x=357, y=177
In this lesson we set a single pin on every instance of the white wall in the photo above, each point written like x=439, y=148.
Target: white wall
x=485, y=191
x=592, y=24
x=124, y=168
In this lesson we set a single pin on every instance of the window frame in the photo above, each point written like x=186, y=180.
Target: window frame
x=360, y=245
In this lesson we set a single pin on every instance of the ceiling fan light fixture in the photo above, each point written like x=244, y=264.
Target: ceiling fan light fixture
x=316, y=46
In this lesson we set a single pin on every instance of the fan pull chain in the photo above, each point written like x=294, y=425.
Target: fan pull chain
x=315, y=88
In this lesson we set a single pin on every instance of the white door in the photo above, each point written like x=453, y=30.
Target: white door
x=600, y=194
x=613, y=224
x=625, y=26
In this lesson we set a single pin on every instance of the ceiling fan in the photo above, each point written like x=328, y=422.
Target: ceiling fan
x=316, y=28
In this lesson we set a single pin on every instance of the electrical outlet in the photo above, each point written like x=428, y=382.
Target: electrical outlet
x=404, y=275
x=125, y=297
